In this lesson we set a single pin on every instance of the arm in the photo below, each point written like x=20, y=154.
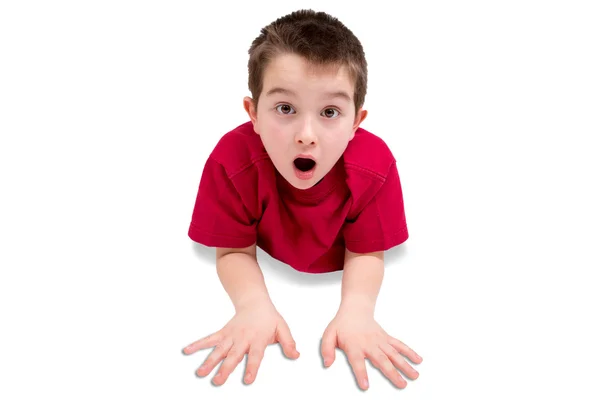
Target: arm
x=361, y=281
x=355, y=331
x=241, y=276
x=256, y=323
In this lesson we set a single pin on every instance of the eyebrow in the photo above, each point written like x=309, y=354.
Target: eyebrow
x=340, y=93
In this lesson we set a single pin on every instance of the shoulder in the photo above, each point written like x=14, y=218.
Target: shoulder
x=231, y=165
x=368, y=154
x=238, y=149
x=369, y=164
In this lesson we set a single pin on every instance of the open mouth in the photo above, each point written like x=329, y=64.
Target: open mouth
x=304, y=164
x=304, y=168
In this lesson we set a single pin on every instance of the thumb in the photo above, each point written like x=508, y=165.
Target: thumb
x=328, y=343
x=288, y=344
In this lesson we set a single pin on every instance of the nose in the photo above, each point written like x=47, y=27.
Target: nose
x=306, y=135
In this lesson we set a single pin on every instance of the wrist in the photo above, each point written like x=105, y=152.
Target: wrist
x=253, y=301
x=358, y=304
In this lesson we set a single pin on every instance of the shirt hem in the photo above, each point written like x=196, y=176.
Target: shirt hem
x=369, y=246
x=214, y=240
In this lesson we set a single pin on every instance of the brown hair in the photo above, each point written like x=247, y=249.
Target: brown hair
x=318, y=37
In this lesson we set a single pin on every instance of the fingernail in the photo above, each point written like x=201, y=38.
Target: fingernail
x=248, y=376
x=365, y=383
x=325, y=362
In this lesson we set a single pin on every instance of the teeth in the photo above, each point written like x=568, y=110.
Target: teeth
x=304, y=164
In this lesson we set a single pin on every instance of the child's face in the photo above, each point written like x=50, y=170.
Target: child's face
x=297, y=116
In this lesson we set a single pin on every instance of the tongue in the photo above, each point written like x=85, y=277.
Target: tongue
x=304, y=164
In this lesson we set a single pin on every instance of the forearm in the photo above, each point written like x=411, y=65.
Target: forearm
x=242, y=278
x=361, y=281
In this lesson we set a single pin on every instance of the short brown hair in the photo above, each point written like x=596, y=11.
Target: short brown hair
x=318, y=37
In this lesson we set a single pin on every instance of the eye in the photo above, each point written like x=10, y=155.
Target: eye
x=328, y=112
x=285, y=109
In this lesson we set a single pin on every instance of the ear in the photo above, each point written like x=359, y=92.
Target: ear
x=360, y=117
x=250, y=109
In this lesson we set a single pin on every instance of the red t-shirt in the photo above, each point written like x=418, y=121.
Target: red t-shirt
x=242, y=199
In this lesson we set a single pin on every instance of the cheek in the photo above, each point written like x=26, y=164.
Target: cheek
x=277, y=130
x=269, y=124
x=273, y=136
x=337, y=138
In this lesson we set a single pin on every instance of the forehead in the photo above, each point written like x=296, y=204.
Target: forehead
x=292, y=69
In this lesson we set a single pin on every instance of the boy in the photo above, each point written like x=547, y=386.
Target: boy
x=302, y=181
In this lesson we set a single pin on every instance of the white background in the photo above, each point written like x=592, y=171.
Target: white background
x=108, y=111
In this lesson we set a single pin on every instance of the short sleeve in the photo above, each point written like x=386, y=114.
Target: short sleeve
x=381, y=225
x=219, y=218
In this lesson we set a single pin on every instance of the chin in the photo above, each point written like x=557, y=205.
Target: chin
x=302, y=184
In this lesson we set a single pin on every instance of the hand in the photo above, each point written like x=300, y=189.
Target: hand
x=251, y=330
x=360, y=337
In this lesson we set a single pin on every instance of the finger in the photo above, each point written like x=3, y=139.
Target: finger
x=234, y=357
x=383, y=363
x=357, y=362
x=220, y=351
x=255, y=356
x=399, y=361
x=405, y=350
x=288, y=344
x=328, y=344
x=204, y=343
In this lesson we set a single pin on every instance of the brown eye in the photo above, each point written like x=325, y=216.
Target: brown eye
x=285, y=108
x=330, y=112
